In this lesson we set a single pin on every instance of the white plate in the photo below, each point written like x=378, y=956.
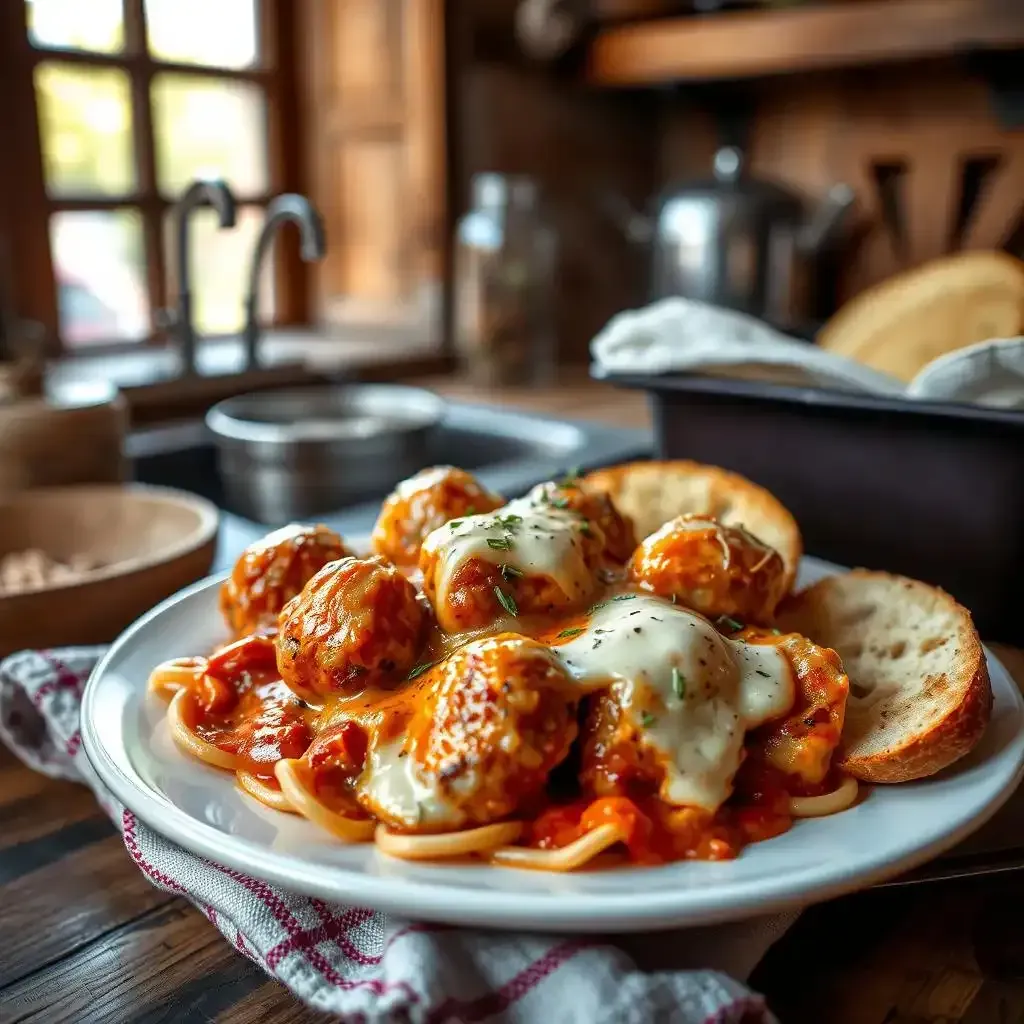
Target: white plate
x=893, y=829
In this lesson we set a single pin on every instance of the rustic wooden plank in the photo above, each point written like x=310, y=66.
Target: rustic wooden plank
x=169, y=964
x=744, y=45
x=272, y=1003
x=85, y=892
x=36, y=806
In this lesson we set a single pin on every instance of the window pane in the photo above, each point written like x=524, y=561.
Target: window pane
x=85, y=123
x=219, y=263
x=206, y=128
x=77, y=24
x=221, y=33
x=99, y=265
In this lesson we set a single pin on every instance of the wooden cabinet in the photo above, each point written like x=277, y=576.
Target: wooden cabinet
x=375, y=101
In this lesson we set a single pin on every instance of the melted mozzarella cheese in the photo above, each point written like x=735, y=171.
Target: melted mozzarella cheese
x=393, y=788
x=532, y=536
x=690, y=693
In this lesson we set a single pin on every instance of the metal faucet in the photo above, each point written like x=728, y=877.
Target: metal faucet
x=282, y=209
x=213, y=192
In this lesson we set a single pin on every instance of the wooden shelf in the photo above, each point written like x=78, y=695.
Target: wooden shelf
x=759, y=43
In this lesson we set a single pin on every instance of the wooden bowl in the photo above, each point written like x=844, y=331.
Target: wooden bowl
x=147, y=542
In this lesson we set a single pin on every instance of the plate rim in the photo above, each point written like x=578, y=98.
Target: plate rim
x=499, y=908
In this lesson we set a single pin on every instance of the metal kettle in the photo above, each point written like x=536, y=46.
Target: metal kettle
x=739, y=242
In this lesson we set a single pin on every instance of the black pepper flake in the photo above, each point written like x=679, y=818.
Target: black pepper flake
x=636, y=629
x=637, y=612
x=761, y=672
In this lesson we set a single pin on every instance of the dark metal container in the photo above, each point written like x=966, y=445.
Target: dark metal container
x=932, y=491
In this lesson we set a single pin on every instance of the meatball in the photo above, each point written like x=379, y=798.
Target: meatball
x=524, y=559
x=596, y=508
x=358, y=622
x=616, y=762
x=421, y=504
x=719, y=571
x=495, y=718
x=802, y=743
x=272, y=571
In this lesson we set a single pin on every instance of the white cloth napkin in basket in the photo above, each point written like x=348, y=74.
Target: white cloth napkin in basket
x=684, y=336
x=371, y=967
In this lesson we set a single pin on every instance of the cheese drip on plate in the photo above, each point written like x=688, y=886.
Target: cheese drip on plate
x=530, y=535
x=690, y=693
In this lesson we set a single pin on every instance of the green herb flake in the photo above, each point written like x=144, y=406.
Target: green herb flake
x=624, y=597
x=499, y=543
x=678, y=683
x=728, y=622
x=647, y=720
x=510, y=520
x=455, y=524
x=506, y=601
x=776, y=632
x=560, y=502
x=566, y=633
x=418, y=670
x=585, y=528
x=471, y=510
x=510, y=572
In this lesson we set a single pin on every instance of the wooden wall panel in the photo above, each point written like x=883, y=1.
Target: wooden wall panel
x=369, y=183
x=376, y=95
x=919, y=128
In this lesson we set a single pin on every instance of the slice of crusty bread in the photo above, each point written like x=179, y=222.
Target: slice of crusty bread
x=909, y=319
x=920, y=696
x=652, y=493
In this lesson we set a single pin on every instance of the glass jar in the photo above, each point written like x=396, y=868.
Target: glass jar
x=504, y=284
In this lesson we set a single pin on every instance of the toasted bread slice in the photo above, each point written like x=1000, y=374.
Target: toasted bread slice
x=652, y=493
x=920, y=696
x=906, y=321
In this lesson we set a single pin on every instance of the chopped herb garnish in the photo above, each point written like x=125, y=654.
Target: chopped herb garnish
x=647, y=720
x=777, y=632
x=624, y=597
x=761, y=672
x=728, y=622
x=575, y=631
x=560, y=502
x=602, y=630
x=510, y=572
x=471, y=510
x=510, y=520
x=585, y=528
x=499, y=543
x=571, y=477
x=455, y=524
x=506, y=601
x=418, y=670
x=678, y=683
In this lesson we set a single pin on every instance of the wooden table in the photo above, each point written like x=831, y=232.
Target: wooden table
x=84, y=937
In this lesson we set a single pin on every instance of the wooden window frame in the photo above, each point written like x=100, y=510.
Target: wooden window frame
x=22, y=174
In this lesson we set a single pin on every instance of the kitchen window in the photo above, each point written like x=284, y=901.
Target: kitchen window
x=116, y=105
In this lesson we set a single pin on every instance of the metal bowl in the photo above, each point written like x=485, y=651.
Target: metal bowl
x=295, y=454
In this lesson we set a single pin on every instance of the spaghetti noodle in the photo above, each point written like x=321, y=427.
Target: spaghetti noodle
x=365, y=717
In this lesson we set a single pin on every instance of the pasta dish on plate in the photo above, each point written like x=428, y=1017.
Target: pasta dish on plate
x=522, y=681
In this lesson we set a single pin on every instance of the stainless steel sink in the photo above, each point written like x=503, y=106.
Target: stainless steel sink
x=509, y=451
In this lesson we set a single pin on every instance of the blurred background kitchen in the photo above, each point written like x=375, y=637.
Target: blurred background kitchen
x=478, y=188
